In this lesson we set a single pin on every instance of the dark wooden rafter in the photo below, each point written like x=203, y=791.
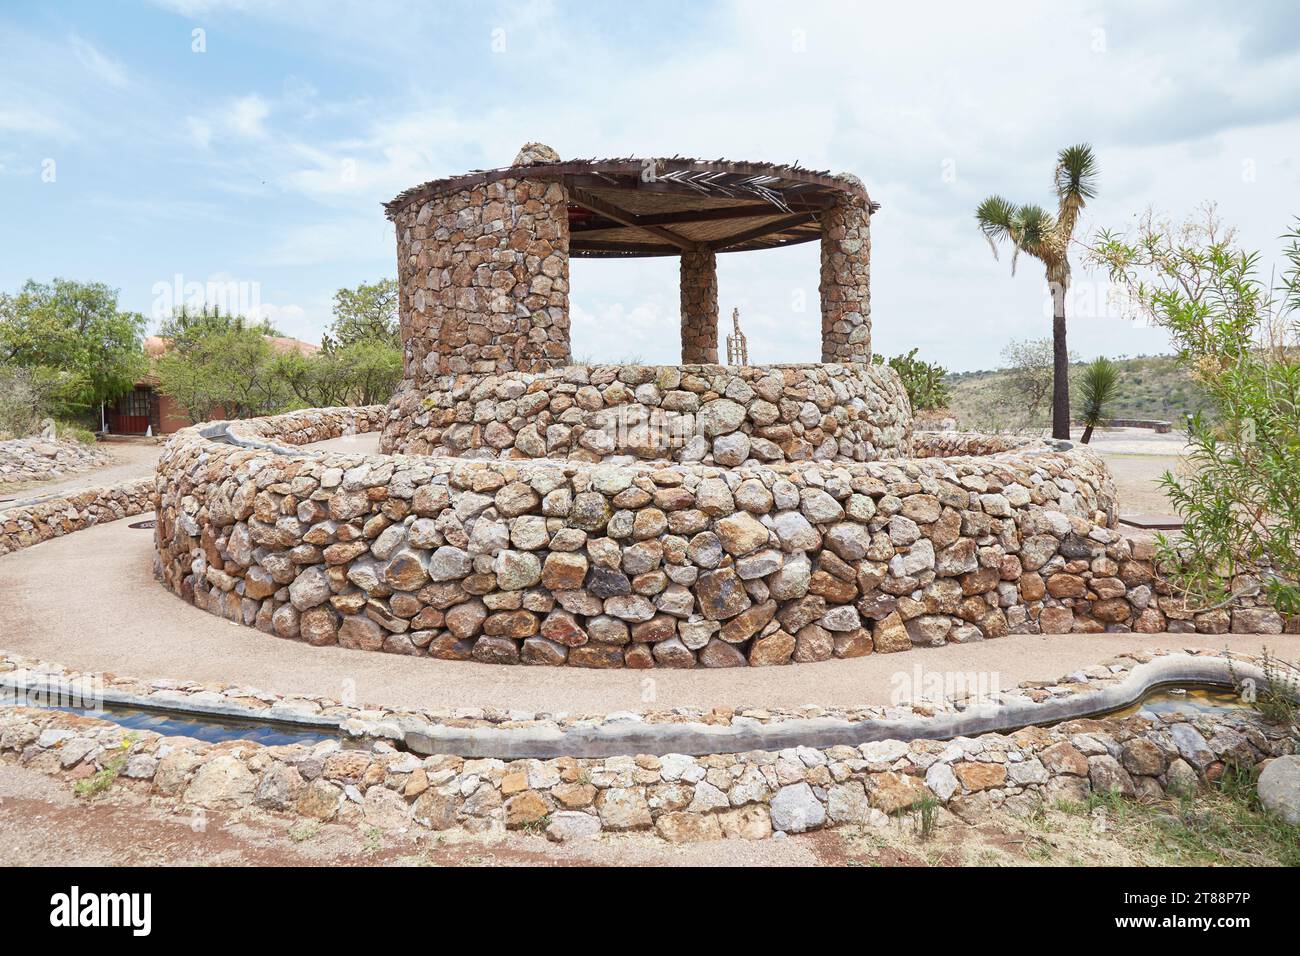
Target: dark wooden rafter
x=688, y=216
x=787, y=239
x=586, y=200
x=799, y=196
x=767, y=229
x=619, y=250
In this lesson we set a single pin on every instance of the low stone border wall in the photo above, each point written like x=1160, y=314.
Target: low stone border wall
x=644, y=565
x=931, y=444
x=25, y=526
x=686, y=413
x=938, y=712
x=1159, y=426
x=681, y=798
x=45, y=459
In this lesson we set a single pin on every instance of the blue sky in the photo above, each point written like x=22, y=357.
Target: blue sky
x=257, y=151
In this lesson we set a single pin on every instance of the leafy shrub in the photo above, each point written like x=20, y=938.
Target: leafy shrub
x=924, y=381
x=71, y=431
x=31, y=397
x=1240, y=340
x=75, y=331
x=1097, y=385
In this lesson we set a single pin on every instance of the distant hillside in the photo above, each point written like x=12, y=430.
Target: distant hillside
x=1150, y=386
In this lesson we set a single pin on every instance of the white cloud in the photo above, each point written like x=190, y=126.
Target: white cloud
x=1183, y=102
x=22, y=119
x=101, y=66
x=246, y=115
x=242, y=118
x=331, y=241
x=291, y=320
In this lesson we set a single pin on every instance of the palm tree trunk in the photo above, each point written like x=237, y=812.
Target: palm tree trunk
x=1060, y=365
x=1087, y=434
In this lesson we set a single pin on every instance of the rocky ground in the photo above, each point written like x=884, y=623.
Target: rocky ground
x=28, y=461
x=43, y=823
x=109, y=463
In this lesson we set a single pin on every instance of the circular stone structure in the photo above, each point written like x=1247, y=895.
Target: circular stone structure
x=649, y=564
x=527, y=510
x=712, y=414
x=483, y=263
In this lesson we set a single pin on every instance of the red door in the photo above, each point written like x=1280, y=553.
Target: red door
x=131, y=414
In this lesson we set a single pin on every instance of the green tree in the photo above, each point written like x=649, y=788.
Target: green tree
x=74, y=329
x=1030, y=378
x=363, y=373
x=367, y=313
x=221, y=366
x=30, y=397
x=1099, y=385
x=1034, y=231
x=360, y=361
x=1240, y=341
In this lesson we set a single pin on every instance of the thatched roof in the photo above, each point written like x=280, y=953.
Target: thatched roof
x=630, y=206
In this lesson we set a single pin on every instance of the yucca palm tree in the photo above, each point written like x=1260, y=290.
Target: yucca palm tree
x=1099, y=384
x=1034, y=231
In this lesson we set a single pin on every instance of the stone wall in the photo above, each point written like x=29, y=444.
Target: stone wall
x=699, y=307
x=46, y=459
x=677, y=797
x=23, y=527
x=951, y=444
x=846, y=281
x=642, y=565
x=484, y=280
x=694, y=413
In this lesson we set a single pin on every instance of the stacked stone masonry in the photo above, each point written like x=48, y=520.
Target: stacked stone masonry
x=695, y=413
x=846, y=281
x=699, y=307
x=607, y=566
x=680, y=798
x=24, y=527
x=484, y=280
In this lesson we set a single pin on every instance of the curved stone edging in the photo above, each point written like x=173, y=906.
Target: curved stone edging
x=43, y=519
x=620, y=565
x=615, y=735
x=680, y=797
x=712, y=414
x=697, y=739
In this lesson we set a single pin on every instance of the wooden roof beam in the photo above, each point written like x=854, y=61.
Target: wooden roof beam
x=751, y=211
x=767, y=229
x=585, y=199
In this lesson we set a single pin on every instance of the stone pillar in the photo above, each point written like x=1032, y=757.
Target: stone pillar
x=846, y=281
x=699, y=289
x=484, y=278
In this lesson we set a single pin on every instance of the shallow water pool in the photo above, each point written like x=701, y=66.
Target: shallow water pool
x=210, y=729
